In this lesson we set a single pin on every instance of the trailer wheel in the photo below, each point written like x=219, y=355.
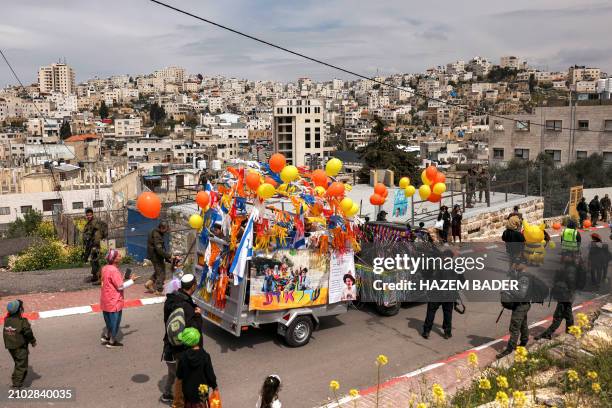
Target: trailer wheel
x=299, y=331
x=388, y=310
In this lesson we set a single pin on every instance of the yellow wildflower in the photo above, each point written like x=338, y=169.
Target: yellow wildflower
x=502, y=382
x=472, y=360
x=575, y=331
x=519, y=399
x=382, y=360
x=484, y=384
x=334, y=385
x=582, y=320
x=203, y=389
x=438, y=393
x=572, y=375
x=520, y=355
x=421, y=405
x=596, y=388
x=592, y=375
x=354, y=393
x=502, y=399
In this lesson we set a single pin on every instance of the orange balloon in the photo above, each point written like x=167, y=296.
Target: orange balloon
x=203, y=199
x=586, y=224
x=377, y=199
x=431, y=172
x=434, y=198
x=270, y=180
x=380, y=188
x=440, y=178
x=277, y=162
x=253, y=180
x=556, y=225
x=319, y=178
x=385, y=194
x=336, y=189
x=149, y=205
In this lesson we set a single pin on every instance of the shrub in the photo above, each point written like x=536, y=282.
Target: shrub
x=48, y=254
x=45, y=230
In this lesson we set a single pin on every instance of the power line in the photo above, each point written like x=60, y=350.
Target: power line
x=348, y=71
x=56, y=184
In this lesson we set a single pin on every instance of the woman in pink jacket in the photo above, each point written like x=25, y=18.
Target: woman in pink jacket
x=111, y=297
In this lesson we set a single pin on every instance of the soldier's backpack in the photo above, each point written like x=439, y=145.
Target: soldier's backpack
x=103, y=229
x=538, y=290
x=175, y=325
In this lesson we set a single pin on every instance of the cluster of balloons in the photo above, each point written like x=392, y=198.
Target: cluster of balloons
x=405, y=185
x=433, y=184
x=380, y=194
x=149, y=204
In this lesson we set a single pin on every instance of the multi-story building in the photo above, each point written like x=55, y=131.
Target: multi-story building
x=568, y=134
x=171, y=74
x=298, y=129
x=582, y=73
x=512, y=62
x=56, y=77
x=128, y=127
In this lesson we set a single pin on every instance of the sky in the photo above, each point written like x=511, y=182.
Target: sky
x=110, y=37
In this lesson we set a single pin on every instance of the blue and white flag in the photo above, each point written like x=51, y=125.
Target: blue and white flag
x=244, y=252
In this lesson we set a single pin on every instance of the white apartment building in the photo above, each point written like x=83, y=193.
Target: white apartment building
x=4, y=110
x=64, y=102
x=216, y=104
x=298, y=129
x=456, y=67
x=128, y=127
x=586, y=86
x=56, y=77
x=337, y=84
x=512, y=62
x=171, y=74
x=480, y=66
x=235, y=131
x=582, y=73
x=140, y=149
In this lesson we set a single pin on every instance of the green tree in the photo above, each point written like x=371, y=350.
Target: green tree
x=26, y=226
x=157, y=113
x=65, y=131
x=382, y=153
x=532, y=82
x=103, y=110
x=191, y=121
x=160, y=131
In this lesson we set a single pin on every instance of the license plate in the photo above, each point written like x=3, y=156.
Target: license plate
x=213, y=317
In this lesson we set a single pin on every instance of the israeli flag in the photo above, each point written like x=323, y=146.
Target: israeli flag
x=244, y=252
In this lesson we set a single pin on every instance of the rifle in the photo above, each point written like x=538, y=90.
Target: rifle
x=500, y=315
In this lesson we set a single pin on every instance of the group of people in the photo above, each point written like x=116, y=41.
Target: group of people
x=476, y=181
x=597, y=209
x=449, y=222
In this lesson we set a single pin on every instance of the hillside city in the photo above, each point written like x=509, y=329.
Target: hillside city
x=94, y=139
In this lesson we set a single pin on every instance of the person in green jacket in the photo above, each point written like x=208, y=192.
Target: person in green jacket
x=18, y=335
x=158, y=255
x=92, y=237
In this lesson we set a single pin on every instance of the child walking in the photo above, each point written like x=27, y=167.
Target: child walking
x=268, y=398
x=195, y=371
x=18, y=335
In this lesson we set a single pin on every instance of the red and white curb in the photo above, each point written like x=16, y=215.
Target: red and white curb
x=441, y=363
x=79, y=310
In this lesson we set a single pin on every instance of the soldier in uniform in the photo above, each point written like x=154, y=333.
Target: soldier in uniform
x=18, y=335
x=92, y=236
x=518, y=320
x=158, y=255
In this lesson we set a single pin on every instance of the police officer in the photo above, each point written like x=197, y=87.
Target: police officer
x=158, y=255
x=92, y=236
x=563, y=291
x=570, y=240
x=18, y=335
x=520, y=307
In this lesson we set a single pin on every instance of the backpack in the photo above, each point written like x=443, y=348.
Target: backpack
x=175, y=325
x=103, y=228
x=538, y=290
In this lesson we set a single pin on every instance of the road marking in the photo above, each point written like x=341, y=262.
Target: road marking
x=489, y=344
x=65, y=312
x=541, y=322
x=153, y=301
x=422, y=370
x=466, y=251
x=491, y=247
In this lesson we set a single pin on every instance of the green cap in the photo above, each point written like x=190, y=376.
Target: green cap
x=190, y=336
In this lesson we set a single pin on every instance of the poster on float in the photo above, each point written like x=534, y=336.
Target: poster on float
x=342, y=277
x=287, y=279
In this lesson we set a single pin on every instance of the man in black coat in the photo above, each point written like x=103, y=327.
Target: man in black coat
x=193, y=318
x=594, y=209
x=582, y=209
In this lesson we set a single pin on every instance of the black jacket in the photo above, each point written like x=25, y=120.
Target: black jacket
x=514, y=241
x=195, y=368
x=156, y=248
x=594, y=206
x=582, y=207
x=192, y=319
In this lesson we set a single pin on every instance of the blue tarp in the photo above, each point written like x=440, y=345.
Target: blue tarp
x=136, y=234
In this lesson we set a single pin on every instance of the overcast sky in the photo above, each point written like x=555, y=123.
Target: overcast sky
x=103, y=38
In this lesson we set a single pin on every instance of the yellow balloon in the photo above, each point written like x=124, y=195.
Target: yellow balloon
x=333, y=167
x=289, y=174
x=552, y=245
x=424, y=191
x=319, y=190
x=196, y=221
x=439, y=188
x=404, y=182
x=424, y=178
x=409, y=191
x=347, y=187
x=265, y=191
x=346, y=204
x=353, y=210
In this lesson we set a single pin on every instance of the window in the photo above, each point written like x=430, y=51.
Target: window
x=49, y=204
x=498, y=154
x=298, y=110
x=522, y=126
x=308, y=145
x=5, y=210
x=607, y=156
x=554, y=125
x=98, y=203
x=25, y=208
x=317, y=120
x=608, y=125
x=317, y=145
x=77, y=205
x=521, y=154
x=307, y=120
x=289, y=110
x=583, y=125
x=555, y=154
x=317, y=109
x=581, y=154
x=279, y=110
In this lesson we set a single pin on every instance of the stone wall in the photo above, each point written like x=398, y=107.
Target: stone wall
x=182, y=235
x=491, y=224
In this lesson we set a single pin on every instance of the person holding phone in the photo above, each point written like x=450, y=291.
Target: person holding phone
x=112, y=298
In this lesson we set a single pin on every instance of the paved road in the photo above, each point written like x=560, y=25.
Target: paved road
x=344, y=348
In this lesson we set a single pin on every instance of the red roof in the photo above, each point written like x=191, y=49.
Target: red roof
x=82, y=138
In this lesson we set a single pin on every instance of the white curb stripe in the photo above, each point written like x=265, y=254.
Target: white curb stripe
x=65, y=312
x=491, y=247
x=486, y=345
x=422, y=370
x=153, y=301
x=541, y=322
